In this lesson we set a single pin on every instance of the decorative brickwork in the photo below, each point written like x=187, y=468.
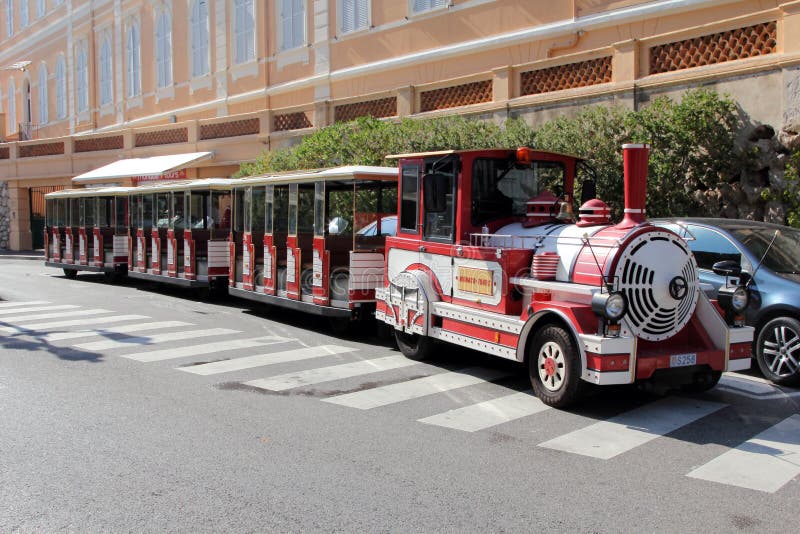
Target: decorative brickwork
x=230, y=129
x=456, y=96
x=569, y=76
x=96, y=144
x=384, y=107
x=5, y=153
x=291, y=121
x=162, y=137
x=44, y=149
x=743, y=43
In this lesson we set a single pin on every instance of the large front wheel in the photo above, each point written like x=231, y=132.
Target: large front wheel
x=554, y=366
x=413, y=346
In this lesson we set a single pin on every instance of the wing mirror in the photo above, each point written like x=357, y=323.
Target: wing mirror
x=727, y=268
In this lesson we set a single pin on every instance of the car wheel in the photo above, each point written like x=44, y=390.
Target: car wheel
x=778, y=351
x=554, y=367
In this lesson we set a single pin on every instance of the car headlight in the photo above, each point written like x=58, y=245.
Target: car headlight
x=735, y=298
x=612, y=305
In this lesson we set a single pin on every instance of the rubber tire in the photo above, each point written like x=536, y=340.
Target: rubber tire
x=794, y=325
x=414, y=346
x=70, y=274
x=573, y=387
x=700, y=387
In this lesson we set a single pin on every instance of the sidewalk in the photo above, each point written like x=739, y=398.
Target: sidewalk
x=37, y=255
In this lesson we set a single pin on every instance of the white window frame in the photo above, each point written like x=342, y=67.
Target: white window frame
x=44, y=111
x=82, y=78
x=24, y=14
x=199, y=39
x=244, y=38
x=163, y=45
x=12, y=107
x=41, y=8
x=61, y=88
x=105, y=74
x=431, y=5
x=294, y=18
x=133, y=59
x=10, y=18
x=358, y=6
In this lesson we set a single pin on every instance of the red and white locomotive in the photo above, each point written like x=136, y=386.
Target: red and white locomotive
x=487, y=257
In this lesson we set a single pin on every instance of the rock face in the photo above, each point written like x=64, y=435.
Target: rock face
x=5, y=216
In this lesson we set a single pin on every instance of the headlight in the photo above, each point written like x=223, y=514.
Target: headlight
x=612, y=306
x=735, y=299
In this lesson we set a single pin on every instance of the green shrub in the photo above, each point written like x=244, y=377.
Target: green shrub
x=790, y=196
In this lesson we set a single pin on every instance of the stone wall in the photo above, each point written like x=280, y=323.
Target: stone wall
x=5, y=216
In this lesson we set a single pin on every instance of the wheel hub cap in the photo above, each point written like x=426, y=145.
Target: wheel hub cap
x=551, y=364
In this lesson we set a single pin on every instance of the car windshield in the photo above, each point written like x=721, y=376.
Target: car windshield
x=784, y=255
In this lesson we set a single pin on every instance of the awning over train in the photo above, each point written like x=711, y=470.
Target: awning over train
x=171, y=167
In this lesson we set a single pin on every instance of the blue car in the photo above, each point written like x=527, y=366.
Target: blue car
x=772, y=253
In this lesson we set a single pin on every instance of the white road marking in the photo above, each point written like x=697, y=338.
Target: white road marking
x=412, y=389
x=489, y=413
x=629, y=430
x=207, y=348
x=53, y=307
x=764, y=463
x=248, y=362
x=334, y=372
x=153, y=340
x=51, y=325
x=754, y=389
x=120, y=329
x=28, y=303
x=57, y=315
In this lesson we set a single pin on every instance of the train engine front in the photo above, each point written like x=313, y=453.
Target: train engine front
x=579, y=302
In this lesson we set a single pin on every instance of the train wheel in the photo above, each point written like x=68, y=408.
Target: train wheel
x=413, y=346
x=71, y=274
x=778, y=351
x=555, y=368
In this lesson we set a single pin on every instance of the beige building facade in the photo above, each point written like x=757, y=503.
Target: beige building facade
x=86, y=82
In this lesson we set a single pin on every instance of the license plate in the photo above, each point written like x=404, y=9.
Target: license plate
x=682, y=360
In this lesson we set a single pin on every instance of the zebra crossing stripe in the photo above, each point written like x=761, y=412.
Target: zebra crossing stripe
x=57, y=315
x=412, y=389
x=629, y=430
x=152, y=340
x=334, y=372
x=29, y=303
x=206, y=348
x=120, y=329
x=52, y=325
x=764, y=463
x=30, y=309
x=489, y=413
x=248, y=362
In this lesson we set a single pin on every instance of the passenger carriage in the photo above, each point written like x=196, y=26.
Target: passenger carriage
x=180, y=232
x=313, y=240
x=87, y=230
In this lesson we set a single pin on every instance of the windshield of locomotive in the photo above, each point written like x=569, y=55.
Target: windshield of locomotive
x=501, y=187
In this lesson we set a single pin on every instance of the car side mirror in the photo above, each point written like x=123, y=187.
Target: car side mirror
x=588, y=191
x=727, y=268
x=435, y=189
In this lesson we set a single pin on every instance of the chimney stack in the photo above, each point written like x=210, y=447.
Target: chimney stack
x=635, y=159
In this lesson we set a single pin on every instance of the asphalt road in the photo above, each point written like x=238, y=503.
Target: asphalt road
x=254, y=419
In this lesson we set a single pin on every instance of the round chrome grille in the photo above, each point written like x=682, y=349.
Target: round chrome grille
x=658, y=275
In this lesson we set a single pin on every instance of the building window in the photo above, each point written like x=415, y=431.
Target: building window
x=106, y=72
x=12, y=107
x=9, y=17
x=353, y=15
x=164, y=50
x=292, y=24
x=61, y=88
x=23, y=13
x=421, y=6
x=82, y=79
x=133, y=61
x=244, y=22
x=41, y=8
x=43, y=116
x=199, y=38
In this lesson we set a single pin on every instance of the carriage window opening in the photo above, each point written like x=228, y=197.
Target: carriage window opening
x=269, y=202
x=257, y=209
x=440, y=226
x=280, y=209
x=293, y=209
x=221, y=208
x=198, y=210
x=62, y=212
x=134, y=211
x=121, y=214
x=74, y=212
x=162, y=210
x=88, y=210
x=305, y=209
x=501, y=187
x=409, y=210
x=147, y=211
x=339, y=218
x=319, y=208
x=105, y=209
x=239, y=216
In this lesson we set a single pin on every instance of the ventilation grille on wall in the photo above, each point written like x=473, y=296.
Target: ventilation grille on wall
x=456, y=96
x=569, y=76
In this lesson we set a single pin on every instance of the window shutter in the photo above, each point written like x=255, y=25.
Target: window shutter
x=361, y=15
x=348, y=15
x=298, y=23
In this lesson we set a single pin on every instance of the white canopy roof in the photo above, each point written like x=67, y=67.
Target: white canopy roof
x=141, y=167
